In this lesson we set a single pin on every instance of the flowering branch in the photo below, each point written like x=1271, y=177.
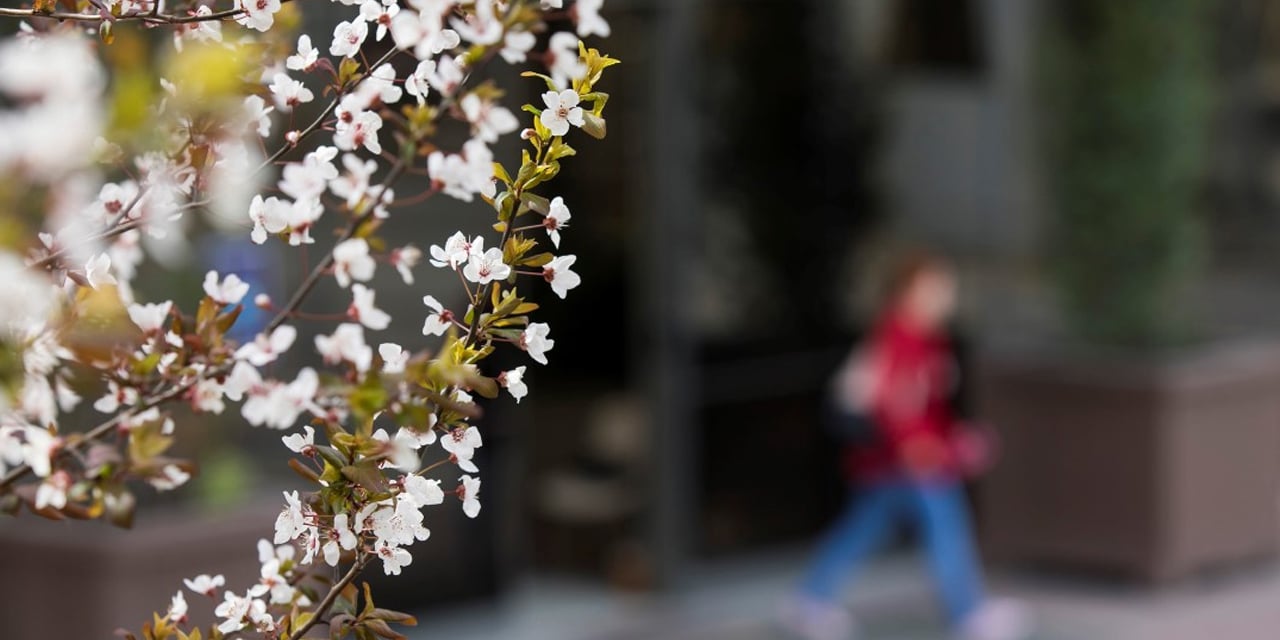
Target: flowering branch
x=149, y=18
x=330, y=598
x=370, y=422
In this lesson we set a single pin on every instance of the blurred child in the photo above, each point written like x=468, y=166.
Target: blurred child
x=911, y=469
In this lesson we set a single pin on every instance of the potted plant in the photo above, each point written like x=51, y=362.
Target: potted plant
x=1142, y=445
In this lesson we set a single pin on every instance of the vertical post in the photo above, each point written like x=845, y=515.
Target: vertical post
x=669, y=236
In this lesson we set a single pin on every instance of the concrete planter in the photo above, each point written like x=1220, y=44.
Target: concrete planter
x=86, y=579
x=1151, y=470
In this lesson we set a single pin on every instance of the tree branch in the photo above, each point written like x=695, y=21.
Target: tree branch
x=149, y=18
x=332, y=596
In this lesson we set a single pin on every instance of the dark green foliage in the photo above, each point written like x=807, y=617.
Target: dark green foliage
x=1127, y=89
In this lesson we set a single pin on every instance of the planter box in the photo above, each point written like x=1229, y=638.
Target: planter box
x=108, y=578
x=1151, y=470
x=86, y=579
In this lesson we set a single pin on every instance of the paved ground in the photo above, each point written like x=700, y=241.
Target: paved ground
x=736, y=601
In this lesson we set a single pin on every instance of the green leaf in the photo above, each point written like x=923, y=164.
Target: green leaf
x=500, y=172
x=366, y=474
x=331, y=456
x=594, y=125
x=394, y=616
x=536, y=202
x=551, y=84
x=368, y=601
x=303, y=470
x=226, y=320
x=120, y=507
x=537, y=260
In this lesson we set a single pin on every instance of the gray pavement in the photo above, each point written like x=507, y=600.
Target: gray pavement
x=736, y=601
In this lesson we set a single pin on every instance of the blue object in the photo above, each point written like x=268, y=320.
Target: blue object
x=254, y=265
x=939, y=513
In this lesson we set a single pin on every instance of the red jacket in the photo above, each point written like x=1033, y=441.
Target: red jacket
x=912, y=374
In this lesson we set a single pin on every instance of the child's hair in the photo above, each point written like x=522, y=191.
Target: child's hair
x=906, y=269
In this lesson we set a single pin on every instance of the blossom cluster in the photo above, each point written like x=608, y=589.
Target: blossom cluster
x=121, y=168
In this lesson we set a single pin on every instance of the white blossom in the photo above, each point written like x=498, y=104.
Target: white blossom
x=589, y=20
x=469, y=492
x=489, y=120
x=97, y=271
x=306, y=57
x=380, y=14
x=351, y=261
x=346, y=345
x=268, y=552
x=423, y=31
x=266, y=348
x=393, y=558
x=200, y=30
x=178, y=604
x=244, y=378
x=258, y=114
x=303, y=443
x=276, y=405
x=404, y=260
x=289, y=93
x=513, y=381
x=271, y=581
x=558, y=273
x=361, y=131
x=394, y=357
x=269, y=216
x=308, y=179
x=481, y=26
x=557, y=218
x=150, y=317
x=353, y=184
x=347, y=38
x=258, y=14
x=380, y=85
x=207, y=396
x=463, y=176
x=562, y=110
x=116, y=397
x=362, y=308
x=439, y=321
x=303, y=214
x=516, y=46
x=564, y=63
x=204, y=584
x=417, y=84
x=462, y=443
x=486, y=267
x=456, y=250
x=292, y=520
x=239, y=611
x=171, y=477
x=340, y=537
x=227, y=291
x=423, y=491
x=52, y=493
x=535, y=341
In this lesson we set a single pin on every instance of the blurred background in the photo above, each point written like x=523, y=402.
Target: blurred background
x=1106, y=177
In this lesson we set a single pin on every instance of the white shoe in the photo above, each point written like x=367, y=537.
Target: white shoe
x=998, y=620
x=816, y=620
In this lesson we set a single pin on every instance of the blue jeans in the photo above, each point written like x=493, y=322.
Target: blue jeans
x=940, y=515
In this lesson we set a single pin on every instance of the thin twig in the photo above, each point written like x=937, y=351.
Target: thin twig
x=150, y=18
x=332, y=596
